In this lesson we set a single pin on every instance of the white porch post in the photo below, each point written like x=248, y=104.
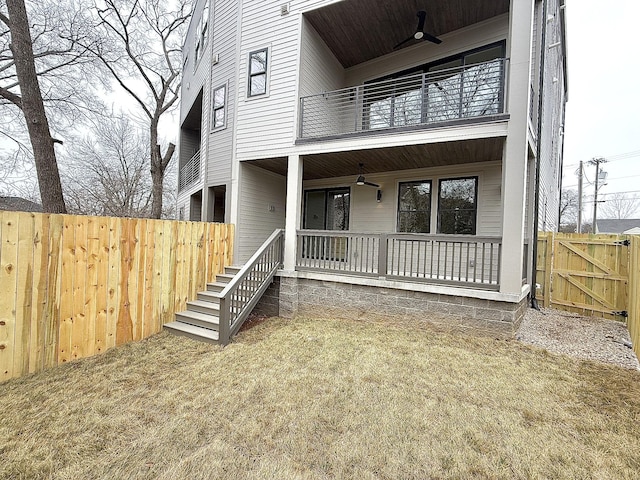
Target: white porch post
x=514, y=159
x=292, y=221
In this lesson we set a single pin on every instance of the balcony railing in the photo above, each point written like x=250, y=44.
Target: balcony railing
x=190, y=172
x=458, y=93
x=446, y=259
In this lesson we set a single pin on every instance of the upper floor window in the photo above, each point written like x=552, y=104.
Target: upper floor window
x=458, y=205
x=219, y=103
x=414, y=207
x=202, y=34
x=258, y=72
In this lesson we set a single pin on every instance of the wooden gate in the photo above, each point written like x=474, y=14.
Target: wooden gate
x=586, y=274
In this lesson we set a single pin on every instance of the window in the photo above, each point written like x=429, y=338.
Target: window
x=414, y=207
x=202, y=33
x=219, y=100
x=458, y=206
x=258, y=72
x=468, y=84
x=327, y=209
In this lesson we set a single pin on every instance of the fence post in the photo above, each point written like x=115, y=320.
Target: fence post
x=382, y=254
x=548, y=268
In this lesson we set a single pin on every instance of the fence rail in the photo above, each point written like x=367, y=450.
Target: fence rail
x=74, y=286
x=455, y=259
x=452, y=94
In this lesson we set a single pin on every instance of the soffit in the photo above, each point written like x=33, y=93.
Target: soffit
x=360, y=30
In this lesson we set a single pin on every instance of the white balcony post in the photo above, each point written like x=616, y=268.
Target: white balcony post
x=516, y=149
x=294, y=201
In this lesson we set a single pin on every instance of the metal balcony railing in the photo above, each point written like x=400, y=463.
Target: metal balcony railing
x=190, y=172
x=452, y=94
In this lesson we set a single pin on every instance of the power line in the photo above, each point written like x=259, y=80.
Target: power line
x=612, y=158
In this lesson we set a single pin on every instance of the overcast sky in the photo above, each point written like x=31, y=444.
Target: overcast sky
x=603, y=113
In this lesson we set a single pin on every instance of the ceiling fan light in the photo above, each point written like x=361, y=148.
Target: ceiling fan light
x=418, y=35
x=360, y=180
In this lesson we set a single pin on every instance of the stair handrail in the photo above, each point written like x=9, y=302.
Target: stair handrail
x=254, y=277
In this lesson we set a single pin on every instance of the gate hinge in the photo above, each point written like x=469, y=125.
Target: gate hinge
x=624, y=243
x=621, y=313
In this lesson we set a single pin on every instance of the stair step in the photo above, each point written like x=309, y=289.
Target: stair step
x=208, y=308
x=216, y=286
x=198, y=319
x=224, y=278
x=232, y=270
x=211, y=297
x=192, y=331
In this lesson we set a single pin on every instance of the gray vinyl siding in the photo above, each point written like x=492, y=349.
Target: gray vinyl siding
x=369, y=216
x=552, y=118
x=220, y=142
x=320, y=71
x=194, y=80
x=259, y=190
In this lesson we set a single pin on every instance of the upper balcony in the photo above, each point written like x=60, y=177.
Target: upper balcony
x=375, y=76
x=438, y=97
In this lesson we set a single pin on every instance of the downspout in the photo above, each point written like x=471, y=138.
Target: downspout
x=536, y=207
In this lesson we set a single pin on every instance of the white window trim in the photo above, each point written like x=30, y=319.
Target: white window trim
x=266, y=94
x=226, y=107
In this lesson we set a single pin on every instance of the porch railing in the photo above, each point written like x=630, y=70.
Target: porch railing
x=246, y=288
x=189, y=172
x=451, y=94
x=445, y=259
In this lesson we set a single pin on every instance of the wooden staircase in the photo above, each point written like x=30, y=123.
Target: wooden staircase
x=201, y=319
x=217, y=314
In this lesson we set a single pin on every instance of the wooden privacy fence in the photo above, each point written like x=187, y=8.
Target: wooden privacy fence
x=595, y=275
x=74, y=286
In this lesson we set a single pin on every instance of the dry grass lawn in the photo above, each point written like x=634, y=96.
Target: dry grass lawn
x=315, y=399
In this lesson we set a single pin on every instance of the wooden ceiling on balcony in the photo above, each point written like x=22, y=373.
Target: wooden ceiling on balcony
x=329, y=165
x=359, y=30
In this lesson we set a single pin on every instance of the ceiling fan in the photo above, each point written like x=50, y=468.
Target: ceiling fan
x=420, y=34
x=361, y=181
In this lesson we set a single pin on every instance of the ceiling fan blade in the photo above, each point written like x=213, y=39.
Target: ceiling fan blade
x=372, y=184
x=422, y=15
x=431, y=38
x=403, y=42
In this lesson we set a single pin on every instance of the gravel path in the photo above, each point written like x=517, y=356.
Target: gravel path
x=588, y=338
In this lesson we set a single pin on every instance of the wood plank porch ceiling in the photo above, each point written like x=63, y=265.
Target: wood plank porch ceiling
x=407, y=157
x=360, y=30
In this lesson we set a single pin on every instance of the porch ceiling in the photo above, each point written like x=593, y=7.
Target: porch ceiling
x=407, y=157
x=359, y=30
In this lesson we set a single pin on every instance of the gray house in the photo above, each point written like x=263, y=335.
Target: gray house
x=629, y=226
x=410, y=150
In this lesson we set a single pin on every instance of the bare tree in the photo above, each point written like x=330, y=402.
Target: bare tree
x=568, y=207
x=146, y=64
x=30, y=102
x=107, y=172
x=59, y=60
x=618, y=205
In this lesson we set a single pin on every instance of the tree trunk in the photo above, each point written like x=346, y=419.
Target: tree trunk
x=157, y=174
x=33, y=110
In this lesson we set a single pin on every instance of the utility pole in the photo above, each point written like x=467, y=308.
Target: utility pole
x=596, y=162
x=580, y=175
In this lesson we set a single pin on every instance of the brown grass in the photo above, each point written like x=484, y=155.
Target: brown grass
x=317, y=399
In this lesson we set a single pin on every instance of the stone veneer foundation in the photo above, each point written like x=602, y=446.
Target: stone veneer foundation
x=322, y=298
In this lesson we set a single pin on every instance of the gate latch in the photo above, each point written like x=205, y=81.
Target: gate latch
x=624, y=243
x=621, y=313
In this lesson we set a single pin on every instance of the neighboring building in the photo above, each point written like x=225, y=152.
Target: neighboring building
x=285, y=105
x=628, y=226
x=19, y=204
